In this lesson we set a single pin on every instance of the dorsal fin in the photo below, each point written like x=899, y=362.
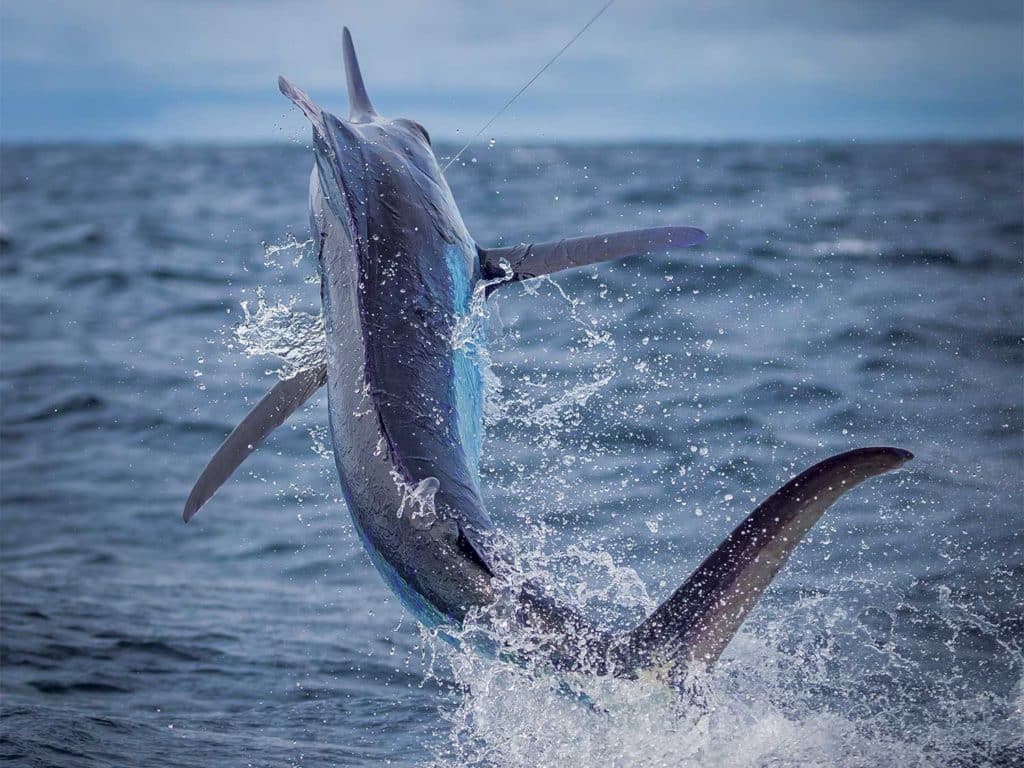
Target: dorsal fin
x=360, y=110
x=535, y=259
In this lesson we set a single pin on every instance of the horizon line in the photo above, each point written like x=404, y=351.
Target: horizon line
x=617, y=141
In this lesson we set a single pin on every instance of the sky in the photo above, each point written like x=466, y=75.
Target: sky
x=206, y=70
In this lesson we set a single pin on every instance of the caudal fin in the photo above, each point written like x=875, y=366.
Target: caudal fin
x=697, y=622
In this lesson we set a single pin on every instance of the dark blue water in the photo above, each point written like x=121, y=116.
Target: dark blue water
x=850, y=295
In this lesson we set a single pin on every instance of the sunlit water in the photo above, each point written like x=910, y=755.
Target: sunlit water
x=849, y=295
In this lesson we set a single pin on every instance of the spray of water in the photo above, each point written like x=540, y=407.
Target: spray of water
x=838, y=677
x=278, y=330
x=844, y=676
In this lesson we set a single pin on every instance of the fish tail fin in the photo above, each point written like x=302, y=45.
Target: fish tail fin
x=697, y=622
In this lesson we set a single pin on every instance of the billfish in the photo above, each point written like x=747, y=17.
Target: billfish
x=400, y=276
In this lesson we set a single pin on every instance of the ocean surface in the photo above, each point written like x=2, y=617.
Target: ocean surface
x=850, y=295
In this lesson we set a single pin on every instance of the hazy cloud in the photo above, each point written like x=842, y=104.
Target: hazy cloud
x=173, y=69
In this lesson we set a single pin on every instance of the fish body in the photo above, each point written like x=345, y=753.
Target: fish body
x=401, y=281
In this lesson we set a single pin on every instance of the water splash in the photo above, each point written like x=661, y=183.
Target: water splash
x=803, y=687
x=578, y=395
x=277, y=330
x=822, y=681
x=417, y=500
x=835, y=678
x=298, y=249
x=524, y=409
x=320, y=437
x=469, y=335
x=470, y=328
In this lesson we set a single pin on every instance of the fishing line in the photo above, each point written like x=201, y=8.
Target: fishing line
x=529, y=82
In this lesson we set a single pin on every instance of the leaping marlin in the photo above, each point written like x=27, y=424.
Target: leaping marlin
x=398, y=271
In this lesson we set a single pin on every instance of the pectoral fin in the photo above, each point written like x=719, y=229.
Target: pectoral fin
x=535, y=259
x=697, y=622
x=282, y=401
